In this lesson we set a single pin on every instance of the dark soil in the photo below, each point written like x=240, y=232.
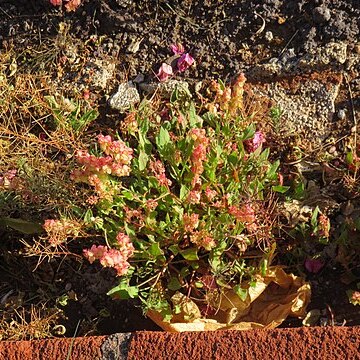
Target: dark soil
x=225, y=38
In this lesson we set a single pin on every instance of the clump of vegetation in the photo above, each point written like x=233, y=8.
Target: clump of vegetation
x=184, y=200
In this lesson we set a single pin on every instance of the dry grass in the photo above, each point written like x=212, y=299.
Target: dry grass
x=25, y=324
x=38, y=139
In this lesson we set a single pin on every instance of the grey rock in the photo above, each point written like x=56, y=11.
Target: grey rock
x=115, y=347
x=269, y=36
x=341, y=114
x=126, y=96
x=166, y=88
x=321, y=14
x=307, y=106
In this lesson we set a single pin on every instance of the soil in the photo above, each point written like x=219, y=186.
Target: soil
x=225, y=38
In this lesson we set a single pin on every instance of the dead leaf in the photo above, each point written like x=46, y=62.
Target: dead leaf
x=274, y=297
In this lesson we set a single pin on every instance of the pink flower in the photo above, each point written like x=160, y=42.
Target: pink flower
x=177, y=49
x=191, y=222
x=165, y=71
x=313, y=265
x=245, y=214
x=203, y=239
x=95, y=253
x=210, y=194
x=194, y=197
x=355, y=298
x=114, y=258
x=151, y=204
x=185, y=61
x=125, y=244
x=59, y=230
x=158, y=169
x=56, y=2
x=252, y=144
x=72, y=5
x=9, y=180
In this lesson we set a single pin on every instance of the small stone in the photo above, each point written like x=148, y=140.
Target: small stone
x=166, y=88
x=341, y=114
x=269, y=36
x=68, y=286
x=126, y=96
x=134, y=46
x=357, y=48
x=321, y=14
x=139, y=78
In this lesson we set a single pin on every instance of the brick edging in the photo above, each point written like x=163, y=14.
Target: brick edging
x=299, y=343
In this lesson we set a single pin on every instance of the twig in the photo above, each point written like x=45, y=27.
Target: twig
x=354, y=118
x=73, y=340
x=288, y=43
x=262, y=27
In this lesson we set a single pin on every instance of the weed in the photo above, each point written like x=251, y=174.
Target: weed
x=181, y=197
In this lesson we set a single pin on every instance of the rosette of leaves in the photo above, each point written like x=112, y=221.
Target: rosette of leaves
x=197, y=206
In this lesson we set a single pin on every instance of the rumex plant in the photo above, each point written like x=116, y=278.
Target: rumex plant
x=183, y=198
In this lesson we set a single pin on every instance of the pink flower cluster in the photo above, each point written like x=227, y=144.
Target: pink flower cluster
x=252, y=144
x=114, y=258
x=245, y=214
x=355, y=298
x=191, y=222
x=116, y=162
x=210, y=194
x=9, y=180
x=59, y=230
x=70, y=5
x=202, y=239
x=184, y=62
x=199, y=153
x=158, y=170
x=194, y=197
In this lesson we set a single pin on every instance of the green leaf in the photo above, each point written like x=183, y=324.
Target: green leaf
x=249, y=132
x=84, y=120
x=23, y=226
x=124, y=291
x=271, y=173
x=184, y=272
x=194, y=119
x=183, y=192
x=190, y=254
x=314, y=221
x=299, y=191
x=264, y=267
x=280, y=189
x=62, y=300
x=143, y=160
x=215, y=255
x=88, y=216
x=349, y=157
x=264, y=155
x=240, y=292
x=174, y=249
x=163, y=138
x=174, y=284
x=127, y=194
x=222, y=84
x=155, y=250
